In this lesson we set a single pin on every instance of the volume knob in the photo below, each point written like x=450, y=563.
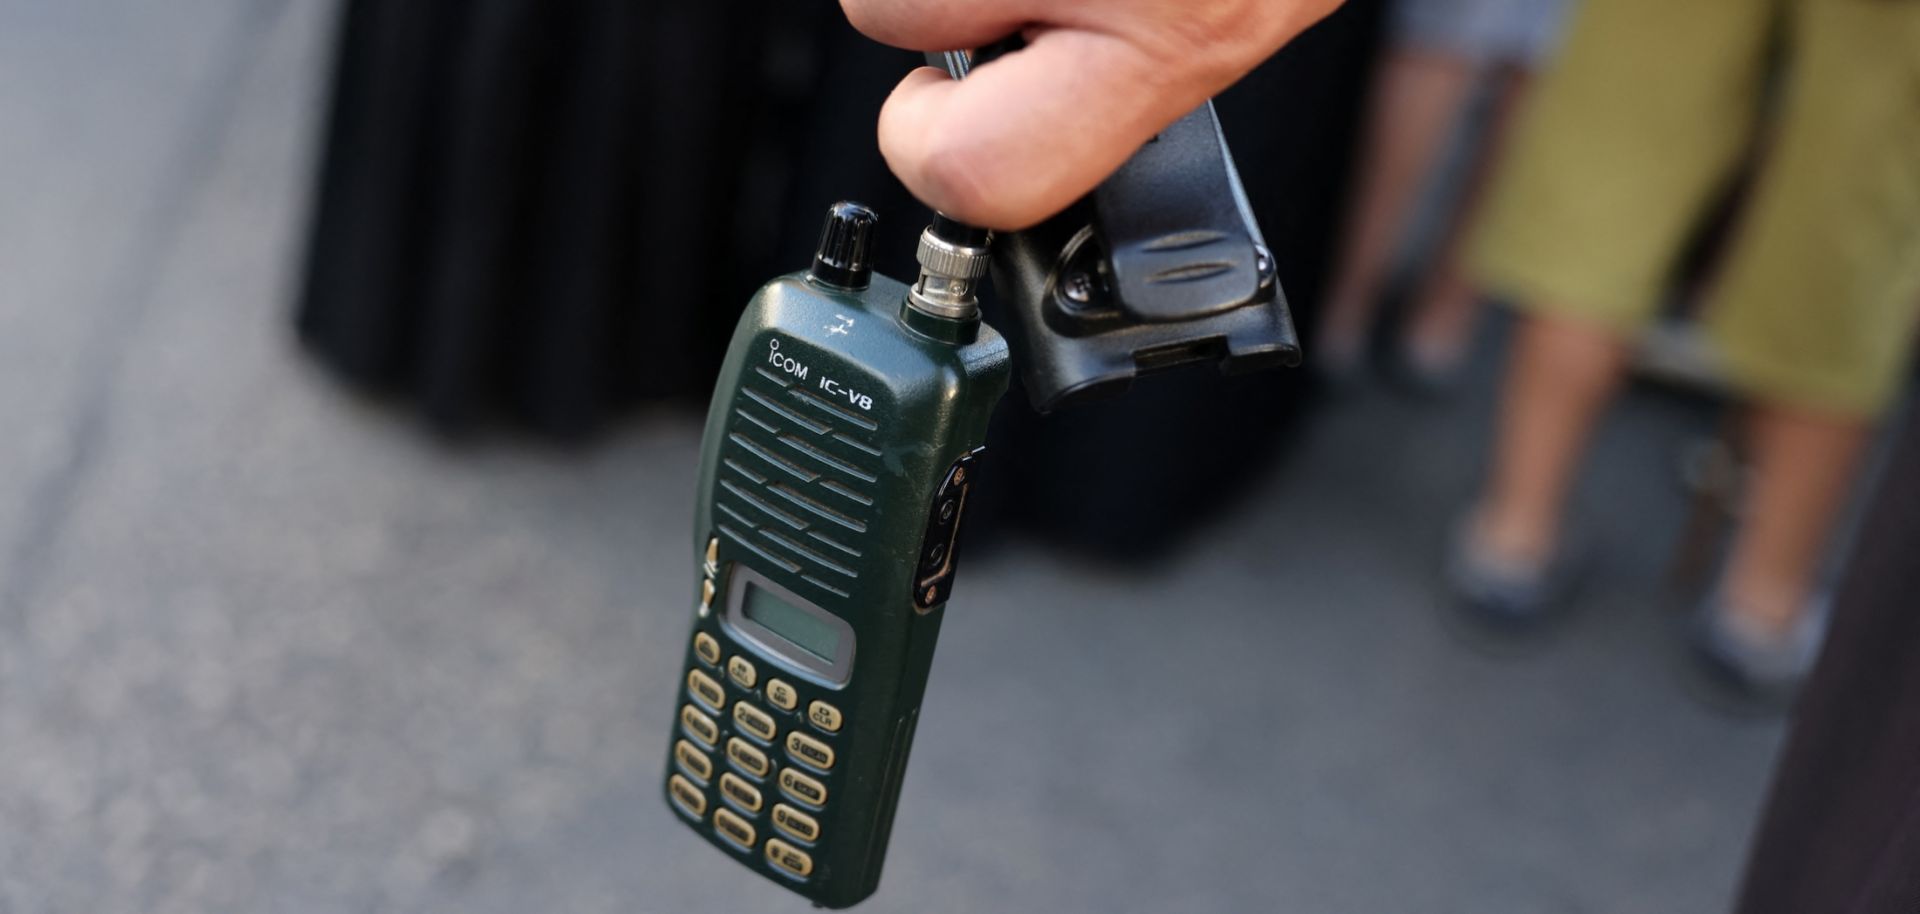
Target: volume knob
x=845, y=256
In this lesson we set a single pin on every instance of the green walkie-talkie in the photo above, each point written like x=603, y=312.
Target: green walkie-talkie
x=839, y=451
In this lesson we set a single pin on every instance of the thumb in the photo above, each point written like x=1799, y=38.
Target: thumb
x=1026, y=135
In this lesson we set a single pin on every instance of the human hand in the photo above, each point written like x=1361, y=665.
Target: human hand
x=1026, y=135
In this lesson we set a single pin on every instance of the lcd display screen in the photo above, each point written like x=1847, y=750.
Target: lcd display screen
x=806, y=629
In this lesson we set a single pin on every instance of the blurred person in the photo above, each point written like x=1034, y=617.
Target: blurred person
x=1441, y=52
x=1631, y=134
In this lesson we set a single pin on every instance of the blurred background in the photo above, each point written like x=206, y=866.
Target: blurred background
x=352, y=364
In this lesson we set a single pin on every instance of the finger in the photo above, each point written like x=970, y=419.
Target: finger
x=938, y=25
x=1028, y=134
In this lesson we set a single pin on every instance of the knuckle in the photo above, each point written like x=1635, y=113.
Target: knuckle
x=1213, y=39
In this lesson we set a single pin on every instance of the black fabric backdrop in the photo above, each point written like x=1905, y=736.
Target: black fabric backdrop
x=542, y=214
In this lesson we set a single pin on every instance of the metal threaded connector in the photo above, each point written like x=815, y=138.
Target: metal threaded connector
x=953, y=258
x=944, y=258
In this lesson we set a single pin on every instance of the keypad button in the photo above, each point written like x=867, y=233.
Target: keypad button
x=700, y=726
x=753, y=721
x=706, y=689
x=736, y=829
x=781, y=695
x=824, y=716
x=743, y=794
x=706, y=595
x=811, y=751
x=802, y=788
x=789, y=858
x=692, y=760
x=707, y=648
x=741, y=671
x=798, y=824
x=686, y=796
x=746, y=758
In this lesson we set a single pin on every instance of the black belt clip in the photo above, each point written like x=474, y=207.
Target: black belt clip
x=1160, y=266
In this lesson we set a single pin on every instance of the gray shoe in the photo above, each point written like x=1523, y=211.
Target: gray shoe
x=1756, y=664
x=1503, y=595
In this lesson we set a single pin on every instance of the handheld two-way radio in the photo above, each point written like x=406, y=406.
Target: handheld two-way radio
x=839, y=452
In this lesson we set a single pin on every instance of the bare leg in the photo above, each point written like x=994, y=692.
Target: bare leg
x=1443, y=315
x=1417, y=96
x=1803, y=468
x=1562, y=376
